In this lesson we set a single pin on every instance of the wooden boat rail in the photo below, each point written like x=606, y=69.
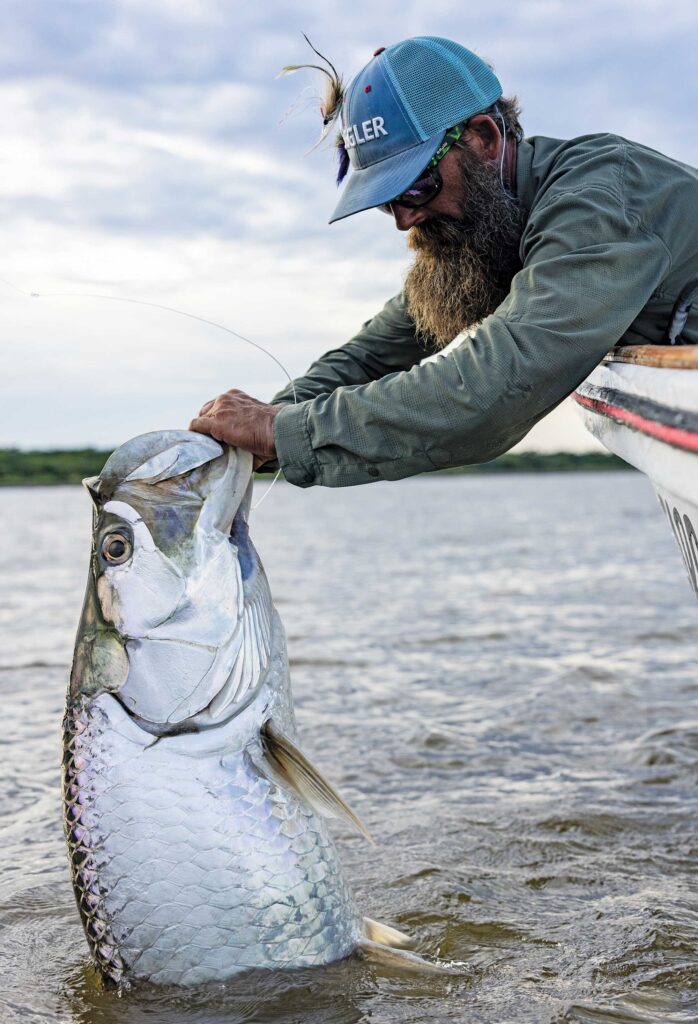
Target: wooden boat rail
x=668, y=357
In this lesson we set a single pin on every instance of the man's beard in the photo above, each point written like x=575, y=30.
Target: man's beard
x=463, y=267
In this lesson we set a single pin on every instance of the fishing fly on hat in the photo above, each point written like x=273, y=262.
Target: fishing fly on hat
x=396, y=111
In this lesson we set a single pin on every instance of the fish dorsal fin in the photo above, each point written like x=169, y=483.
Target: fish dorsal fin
x=297, y=771
x=375, y=931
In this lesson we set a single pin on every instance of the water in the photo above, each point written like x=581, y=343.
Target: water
x=499, y=673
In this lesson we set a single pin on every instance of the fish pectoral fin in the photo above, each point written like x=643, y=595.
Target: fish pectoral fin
x=403, y=959
x=384, y=935
x=296, y=770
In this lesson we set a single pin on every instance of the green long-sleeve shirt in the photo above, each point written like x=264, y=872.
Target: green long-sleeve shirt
x=610, y=238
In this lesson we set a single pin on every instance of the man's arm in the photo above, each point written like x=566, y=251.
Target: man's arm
x=386, y=343
x=588, y=270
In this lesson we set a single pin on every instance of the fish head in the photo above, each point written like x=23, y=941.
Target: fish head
x=177, y=609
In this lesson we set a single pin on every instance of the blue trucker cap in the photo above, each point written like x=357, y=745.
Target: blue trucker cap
x=398, y=108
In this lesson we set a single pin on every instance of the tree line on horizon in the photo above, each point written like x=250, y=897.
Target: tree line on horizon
x=40, y=468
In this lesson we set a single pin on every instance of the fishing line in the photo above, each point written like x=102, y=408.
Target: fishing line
x=177, y=312
x=504, y=146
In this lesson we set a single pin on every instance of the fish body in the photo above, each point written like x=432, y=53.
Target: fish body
x=193, y=856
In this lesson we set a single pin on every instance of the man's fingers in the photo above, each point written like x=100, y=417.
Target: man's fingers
x=202, y=424
x=239, y=420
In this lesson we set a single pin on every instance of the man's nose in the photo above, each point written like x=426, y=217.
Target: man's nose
x=407, y=217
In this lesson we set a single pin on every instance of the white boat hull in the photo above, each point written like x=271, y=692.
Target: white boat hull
x=642, y=405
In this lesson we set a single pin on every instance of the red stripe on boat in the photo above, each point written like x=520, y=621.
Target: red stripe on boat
x=674, y=436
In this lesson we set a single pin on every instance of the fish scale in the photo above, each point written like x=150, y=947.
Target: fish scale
x=89, y=891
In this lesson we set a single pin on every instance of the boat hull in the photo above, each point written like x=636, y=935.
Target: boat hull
x=642, y=404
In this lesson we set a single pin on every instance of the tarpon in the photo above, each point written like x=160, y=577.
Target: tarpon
x=195, y=826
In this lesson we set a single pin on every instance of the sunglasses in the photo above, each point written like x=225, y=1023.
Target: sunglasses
x=422, y=191
x=429, y=183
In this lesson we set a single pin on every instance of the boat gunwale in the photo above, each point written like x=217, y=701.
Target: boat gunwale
x=670, y=357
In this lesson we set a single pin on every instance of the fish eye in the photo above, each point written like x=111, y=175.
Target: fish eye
x=116, y=548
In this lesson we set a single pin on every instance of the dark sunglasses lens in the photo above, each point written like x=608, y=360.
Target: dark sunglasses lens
x=420, y=191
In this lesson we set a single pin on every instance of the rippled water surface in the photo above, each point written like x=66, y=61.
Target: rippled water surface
x=499, y=673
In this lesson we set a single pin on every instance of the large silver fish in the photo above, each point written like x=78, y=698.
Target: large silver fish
x=195, y=826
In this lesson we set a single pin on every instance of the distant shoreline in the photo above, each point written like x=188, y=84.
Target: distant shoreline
x=46, y=468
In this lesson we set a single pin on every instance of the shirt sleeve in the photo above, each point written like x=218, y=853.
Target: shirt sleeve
x=588, y=269
x=386, y=343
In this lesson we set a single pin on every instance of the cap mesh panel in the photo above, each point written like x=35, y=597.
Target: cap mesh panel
x=440, y=82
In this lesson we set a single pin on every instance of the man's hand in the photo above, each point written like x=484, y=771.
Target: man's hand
x=237, y=419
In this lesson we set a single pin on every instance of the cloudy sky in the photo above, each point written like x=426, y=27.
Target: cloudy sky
x=150, y=152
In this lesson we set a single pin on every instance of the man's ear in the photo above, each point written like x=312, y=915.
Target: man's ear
x=484, y=136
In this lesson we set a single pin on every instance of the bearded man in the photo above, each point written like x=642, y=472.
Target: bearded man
x=549, y=252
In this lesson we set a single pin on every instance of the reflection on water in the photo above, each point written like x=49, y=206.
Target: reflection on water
x=498, y=673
